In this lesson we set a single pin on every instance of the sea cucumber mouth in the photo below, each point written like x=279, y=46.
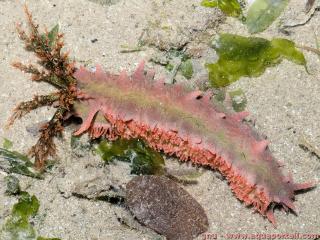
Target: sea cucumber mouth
x=286, y=205
x=285, y=202
x=270, y=214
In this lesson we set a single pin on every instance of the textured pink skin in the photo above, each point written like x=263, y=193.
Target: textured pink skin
x=189, y=126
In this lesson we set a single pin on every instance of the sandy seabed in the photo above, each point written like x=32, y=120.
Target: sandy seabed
x=284, y=103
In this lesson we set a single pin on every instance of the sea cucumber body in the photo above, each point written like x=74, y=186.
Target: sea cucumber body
x=186, y=124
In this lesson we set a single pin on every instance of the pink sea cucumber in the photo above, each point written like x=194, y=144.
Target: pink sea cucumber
x=186, y=124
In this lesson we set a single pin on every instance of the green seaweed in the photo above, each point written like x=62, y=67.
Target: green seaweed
x=169, y=67
x=49, y=37
x=15, y=162
x=143, y=159
x=131, y=49
x=52, y=35
x=239, y=100
x=230, y=7
x=220, y=95
x=248, y=56
x=17, y=225
x=7, y=144
x=262, y=13
x=75, y=142
x=184, y=176
x=13, y=186
x=186, y=69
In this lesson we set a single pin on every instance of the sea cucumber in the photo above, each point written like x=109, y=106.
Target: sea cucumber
x=186, y=124
x=182, y=123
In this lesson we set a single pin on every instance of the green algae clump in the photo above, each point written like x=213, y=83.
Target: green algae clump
x=143, y=159
x=248, y=56
x=230, y=7
x=262, y=13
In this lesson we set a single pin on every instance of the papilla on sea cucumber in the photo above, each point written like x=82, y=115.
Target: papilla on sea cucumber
x=182, y=123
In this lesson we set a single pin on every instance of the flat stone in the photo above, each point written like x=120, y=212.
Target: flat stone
x=162, y=205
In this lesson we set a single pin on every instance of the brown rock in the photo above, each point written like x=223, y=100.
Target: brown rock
x=162, y=205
